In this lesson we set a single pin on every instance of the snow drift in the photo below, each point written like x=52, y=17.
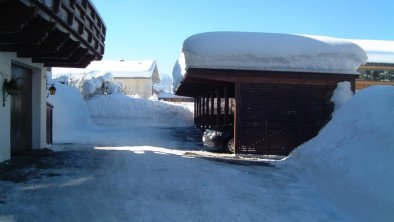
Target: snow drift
x=70, y=114
x=139, y=112
x=77, y=120
x=352, y=158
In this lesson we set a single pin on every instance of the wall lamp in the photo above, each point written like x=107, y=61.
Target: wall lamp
x=11, y=87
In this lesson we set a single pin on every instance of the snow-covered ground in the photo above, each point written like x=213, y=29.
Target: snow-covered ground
x=124, y=169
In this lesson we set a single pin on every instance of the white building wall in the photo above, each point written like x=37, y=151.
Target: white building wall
x=39, y=103
x=134, y=86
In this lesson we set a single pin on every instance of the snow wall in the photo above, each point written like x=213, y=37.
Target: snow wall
x=75, y=120
x=352, y=158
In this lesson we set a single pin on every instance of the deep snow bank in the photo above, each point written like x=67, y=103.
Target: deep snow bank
x=139, y=112
x=70, y=114
x=75, y=119
x=352, y=158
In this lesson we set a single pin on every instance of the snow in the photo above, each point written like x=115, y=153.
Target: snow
x=100, y=85
x=118, y=68
x=165, y=84
x=341, y=94
x=352, y=158
x=80, y=121
x=179, y=71
x=139, y=160
x=269, y=51
x=140, y=112
x=70, y=115
x=378, y=51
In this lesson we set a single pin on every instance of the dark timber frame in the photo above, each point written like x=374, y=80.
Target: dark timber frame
x=58, y=33
x=274, y=111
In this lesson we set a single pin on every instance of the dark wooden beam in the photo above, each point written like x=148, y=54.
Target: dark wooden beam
x=237, y=118
x=218, y=108
x=226, y=107
x=212, y=109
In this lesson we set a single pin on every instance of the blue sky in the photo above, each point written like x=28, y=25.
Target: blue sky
x=156, y=29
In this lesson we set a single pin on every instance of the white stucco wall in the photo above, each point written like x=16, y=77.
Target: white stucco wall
x=38, y=98
x=140, y=86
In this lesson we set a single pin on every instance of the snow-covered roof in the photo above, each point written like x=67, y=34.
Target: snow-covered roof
x=118, y=68
x=268, y=52
x=272, y=51
x=378, y=51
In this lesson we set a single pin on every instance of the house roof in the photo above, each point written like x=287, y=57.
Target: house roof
x=64, y=33
x=118, y=69
x=378, y=51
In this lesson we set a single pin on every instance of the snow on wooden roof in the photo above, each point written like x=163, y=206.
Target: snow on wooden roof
x=268, y=52
x=272, y=51
x=378, y=51
x=118, y=68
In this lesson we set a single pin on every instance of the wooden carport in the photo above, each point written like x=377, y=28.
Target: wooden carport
x=274, y=112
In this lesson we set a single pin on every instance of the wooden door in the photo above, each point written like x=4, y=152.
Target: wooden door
x=21, y=111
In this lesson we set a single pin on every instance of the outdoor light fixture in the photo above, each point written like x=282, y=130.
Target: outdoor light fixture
x=52, y=90
x=11, y=87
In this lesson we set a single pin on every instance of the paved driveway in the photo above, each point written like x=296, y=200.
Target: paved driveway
x=161, y=177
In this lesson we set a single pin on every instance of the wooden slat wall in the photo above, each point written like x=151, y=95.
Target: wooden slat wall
x=276, y=118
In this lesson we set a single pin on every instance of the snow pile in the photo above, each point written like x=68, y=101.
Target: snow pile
x=70, y=114
x=352, y=158
x=178, y=71
x=76, y=120
x=101, y=85
x=165, y=84
x=341, y=94
x=139, y=112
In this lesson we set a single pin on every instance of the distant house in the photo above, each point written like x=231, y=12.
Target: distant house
x=35, y=35
x=136, y=77
x=379, y=69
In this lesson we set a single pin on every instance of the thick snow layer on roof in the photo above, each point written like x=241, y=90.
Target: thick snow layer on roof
x=117, y=68
x=272, y=51
x=378, y=51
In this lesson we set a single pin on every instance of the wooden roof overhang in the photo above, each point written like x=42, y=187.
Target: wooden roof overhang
x=57, y=33
x=198, y=81
x=377, y=66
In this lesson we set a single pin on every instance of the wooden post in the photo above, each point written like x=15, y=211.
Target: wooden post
x=202, y=112
x=226, y=107
x=206, y=119
x=212, y=110
x=199, y=111
x=237, y=117
x=218, y=108
x=195, y=111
